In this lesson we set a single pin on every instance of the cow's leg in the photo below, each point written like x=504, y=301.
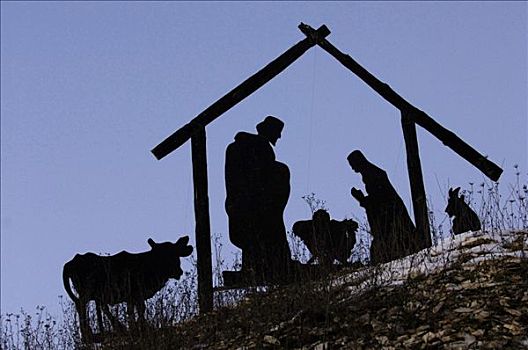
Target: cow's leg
x=84, y=324
x=131, y=314
x=140, y=305
x=98, y=304
x=114, y=321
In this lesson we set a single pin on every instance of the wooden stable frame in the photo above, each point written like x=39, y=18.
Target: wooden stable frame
x=410, y=116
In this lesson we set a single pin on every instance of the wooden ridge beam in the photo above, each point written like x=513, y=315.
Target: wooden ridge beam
x=239, y=93
x=447, y=137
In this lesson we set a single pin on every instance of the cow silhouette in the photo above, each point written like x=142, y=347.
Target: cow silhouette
x=124, y=277
x=327, y=240
x=465, y=219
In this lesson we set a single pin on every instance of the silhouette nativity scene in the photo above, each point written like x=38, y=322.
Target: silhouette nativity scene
x=257, y=192
x=258, y=189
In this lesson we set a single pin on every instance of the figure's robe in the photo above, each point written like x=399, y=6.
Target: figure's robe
x=394, y=234
x=257, y=188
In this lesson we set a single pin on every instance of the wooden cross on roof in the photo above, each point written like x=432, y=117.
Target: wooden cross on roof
x=410, y=116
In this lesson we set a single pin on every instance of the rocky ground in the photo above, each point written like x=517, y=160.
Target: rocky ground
x=467, y=293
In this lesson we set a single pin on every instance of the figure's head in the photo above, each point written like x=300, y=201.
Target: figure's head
x=271, y=129
x=357, y=160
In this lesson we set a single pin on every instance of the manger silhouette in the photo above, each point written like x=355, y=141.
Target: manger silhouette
x=410, y=117
x=327, y=239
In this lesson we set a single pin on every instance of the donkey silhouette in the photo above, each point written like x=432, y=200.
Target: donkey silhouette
x=465, y=219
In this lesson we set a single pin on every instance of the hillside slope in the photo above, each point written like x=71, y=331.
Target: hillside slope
x=468, y=292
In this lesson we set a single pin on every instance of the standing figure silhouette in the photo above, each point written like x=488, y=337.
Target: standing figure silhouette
x=258, y=188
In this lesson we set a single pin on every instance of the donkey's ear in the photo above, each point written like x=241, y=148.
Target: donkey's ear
x=456, y=191
x=462, y=197
x=151, y=242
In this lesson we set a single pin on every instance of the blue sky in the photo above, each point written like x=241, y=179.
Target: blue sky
x=89, y=88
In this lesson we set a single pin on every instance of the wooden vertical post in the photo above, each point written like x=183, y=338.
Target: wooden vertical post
x=203, y=227
x=414, y=167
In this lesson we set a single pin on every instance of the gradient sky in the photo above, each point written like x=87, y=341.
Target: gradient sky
x=89, y=88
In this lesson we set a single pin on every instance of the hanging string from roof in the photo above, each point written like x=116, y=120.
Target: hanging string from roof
x=310, y=136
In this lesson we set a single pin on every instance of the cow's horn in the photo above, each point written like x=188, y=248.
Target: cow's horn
x=183, y=240
x=185, y=249
x=151, y=242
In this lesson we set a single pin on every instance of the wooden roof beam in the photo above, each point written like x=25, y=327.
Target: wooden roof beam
x=421, y=118
x=239, y=93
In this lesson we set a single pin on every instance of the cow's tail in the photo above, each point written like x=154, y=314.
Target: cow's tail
x=66, y=276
